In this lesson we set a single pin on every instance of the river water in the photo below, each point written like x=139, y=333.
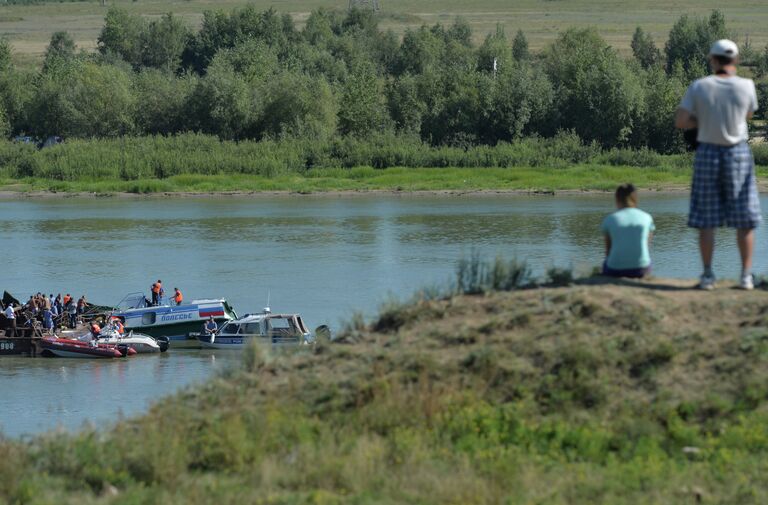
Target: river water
x=323, y=256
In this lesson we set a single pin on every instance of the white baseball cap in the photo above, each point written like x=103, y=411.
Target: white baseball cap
x=724, y=47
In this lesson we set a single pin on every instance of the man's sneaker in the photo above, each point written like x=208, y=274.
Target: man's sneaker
x=707, y=282
x=747, y=282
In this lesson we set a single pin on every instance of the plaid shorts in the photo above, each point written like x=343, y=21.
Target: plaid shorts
x=724, y=190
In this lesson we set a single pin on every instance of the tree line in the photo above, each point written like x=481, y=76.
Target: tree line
x=249, y=74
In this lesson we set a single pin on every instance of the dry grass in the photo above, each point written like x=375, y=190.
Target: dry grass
x=619, y=393
x=30, y=27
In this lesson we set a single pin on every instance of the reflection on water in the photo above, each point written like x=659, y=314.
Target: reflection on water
x=45, y=393
x=322, y=256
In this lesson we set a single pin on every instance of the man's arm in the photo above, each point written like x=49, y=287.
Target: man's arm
x=607, y=245
x=685, y=120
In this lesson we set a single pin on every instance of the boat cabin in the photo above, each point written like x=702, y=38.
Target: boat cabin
x=277, y=329
x=176, y=322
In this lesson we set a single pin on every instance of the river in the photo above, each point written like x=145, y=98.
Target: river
x=324, y=256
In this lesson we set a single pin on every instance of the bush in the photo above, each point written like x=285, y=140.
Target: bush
x=760, y=152
x=557, y=276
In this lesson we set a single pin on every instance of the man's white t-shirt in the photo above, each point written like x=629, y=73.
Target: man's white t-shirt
x=720, y=105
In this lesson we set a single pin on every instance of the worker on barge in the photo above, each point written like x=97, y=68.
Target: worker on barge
x=10, y=314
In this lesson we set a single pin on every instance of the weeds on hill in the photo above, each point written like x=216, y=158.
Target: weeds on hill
x=557, y=276
x=475, y=275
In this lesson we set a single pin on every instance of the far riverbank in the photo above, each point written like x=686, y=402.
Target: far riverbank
x=367, y=180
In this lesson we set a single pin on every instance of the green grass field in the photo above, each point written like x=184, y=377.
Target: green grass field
x=30, y=27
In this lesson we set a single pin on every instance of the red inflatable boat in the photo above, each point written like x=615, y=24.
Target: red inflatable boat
x=70, y=348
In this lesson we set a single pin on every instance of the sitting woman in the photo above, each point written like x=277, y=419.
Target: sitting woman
x=628, y=233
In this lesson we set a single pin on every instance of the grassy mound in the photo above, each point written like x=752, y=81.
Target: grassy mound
x=612, y=393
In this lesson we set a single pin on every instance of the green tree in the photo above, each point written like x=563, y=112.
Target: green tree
x=123, y=35
x=404, y=104
x=83, y=99
x=360, y=20
x=15, y=96
x=459, y=115
x=5, y=124
x=522, y=97
x=520, y=50
x=690, y=39
x=163, y=42
x=321, y=27
x=662, y=97
x=460, y=31
x=225, y=30
x=222, y=103
x=496, y=49
x=761, y=67
x=420, y=50
x=253, y=59
x=164, y=100
x=362, y=110
x=15, y=91
x=298, y=105
x=5, y=54
x=644, y=49
x=60, y=49
x=597, y=95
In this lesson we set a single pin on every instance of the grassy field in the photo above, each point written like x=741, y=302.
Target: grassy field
x=30, y=27
x=582, y=177
x=619, y=393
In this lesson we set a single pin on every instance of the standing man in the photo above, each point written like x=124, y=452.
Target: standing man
x=724, y=190
x=156, y=287
x=71, y=308
x=177, y=296
x=11, y=316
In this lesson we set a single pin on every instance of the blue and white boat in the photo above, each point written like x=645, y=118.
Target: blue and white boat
x=265, y=328
x=176, y=322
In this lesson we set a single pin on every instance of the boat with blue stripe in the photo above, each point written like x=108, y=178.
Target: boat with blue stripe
x=176, y=322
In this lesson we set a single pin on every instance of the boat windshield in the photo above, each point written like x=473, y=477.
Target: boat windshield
x=229, y=310
x=132, y=301
x=283, y=326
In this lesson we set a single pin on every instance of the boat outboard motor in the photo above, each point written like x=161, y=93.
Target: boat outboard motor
x=164, y=343
x=123, y=348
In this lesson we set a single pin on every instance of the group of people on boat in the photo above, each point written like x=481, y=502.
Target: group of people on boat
x=714, y=112
x=158, y=293
x=114, y=324
x=51, y=312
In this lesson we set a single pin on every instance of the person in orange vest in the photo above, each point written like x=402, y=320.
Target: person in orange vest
x=95, y=330
x=156, y=288
x=177, y=296
x=118, y=325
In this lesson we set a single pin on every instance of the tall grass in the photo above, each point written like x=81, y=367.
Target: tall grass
x=160, y=157
x=474, y=275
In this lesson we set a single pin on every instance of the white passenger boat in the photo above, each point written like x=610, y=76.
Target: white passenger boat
x=265, y=328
